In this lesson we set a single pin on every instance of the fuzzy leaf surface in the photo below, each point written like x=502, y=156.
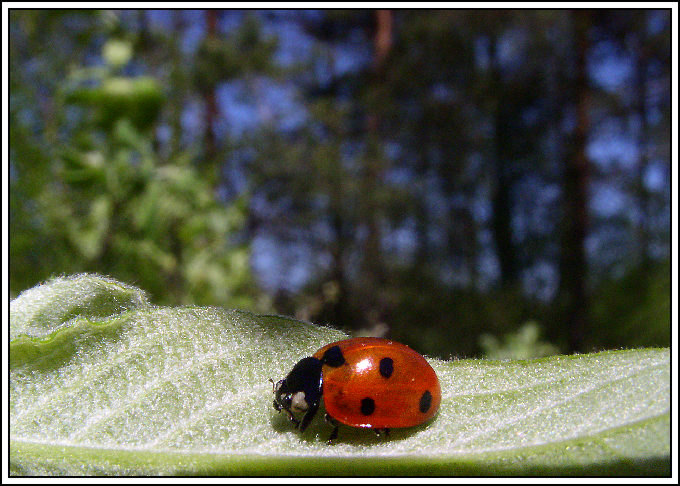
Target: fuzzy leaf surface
x=103, y=383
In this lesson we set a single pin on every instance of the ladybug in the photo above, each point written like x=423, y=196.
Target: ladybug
x=365, y=382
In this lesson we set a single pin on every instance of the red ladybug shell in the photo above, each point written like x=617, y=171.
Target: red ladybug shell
x=380, y=384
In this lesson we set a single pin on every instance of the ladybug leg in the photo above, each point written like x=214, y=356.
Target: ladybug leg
x=295, y=421
x=334, y=423
x=385, y=431
x=333, y=436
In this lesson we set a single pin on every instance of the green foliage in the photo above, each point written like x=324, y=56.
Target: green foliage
x=138, y=100
x=102, y=383
x=634, y=310
x=384, y=183
x=117, y=53
x=245, y=52
x=451, y=319
x=525, y=343
x=115, y=206
x=114, y=97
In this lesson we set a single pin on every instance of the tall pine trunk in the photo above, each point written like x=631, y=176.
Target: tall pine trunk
x=501, y=197
x=641, y=193
x=573, y=262
x=209, y=98
x=374, y=169
x=178, y=77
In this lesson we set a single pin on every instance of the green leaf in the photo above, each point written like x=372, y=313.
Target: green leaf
x=41, y=311
x=117, y=52
x=103, y=383
x=89, y=233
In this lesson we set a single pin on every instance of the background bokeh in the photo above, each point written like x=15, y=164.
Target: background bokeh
x=469, y=182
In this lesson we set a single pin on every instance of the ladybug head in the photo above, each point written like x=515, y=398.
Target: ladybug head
x=300, y=391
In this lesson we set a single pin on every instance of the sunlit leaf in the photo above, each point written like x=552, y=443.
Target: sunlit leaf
x=103, y=383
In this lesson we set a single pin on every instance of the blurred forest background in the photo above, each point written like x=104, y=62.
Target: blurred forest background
x=469, y=182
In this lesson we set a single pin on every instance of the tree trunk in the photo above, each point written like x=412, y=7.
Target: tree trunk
x=501, y=198
x=209, y=98
x=573, y=268
x=178, y=84
x=641, y=193
x=374, y=169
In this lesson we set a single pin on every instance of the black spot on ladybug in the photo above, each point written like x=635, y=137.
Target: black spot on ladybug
x=425, y=401
x=386, y=367
x=333, y=357
x=367, y=406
